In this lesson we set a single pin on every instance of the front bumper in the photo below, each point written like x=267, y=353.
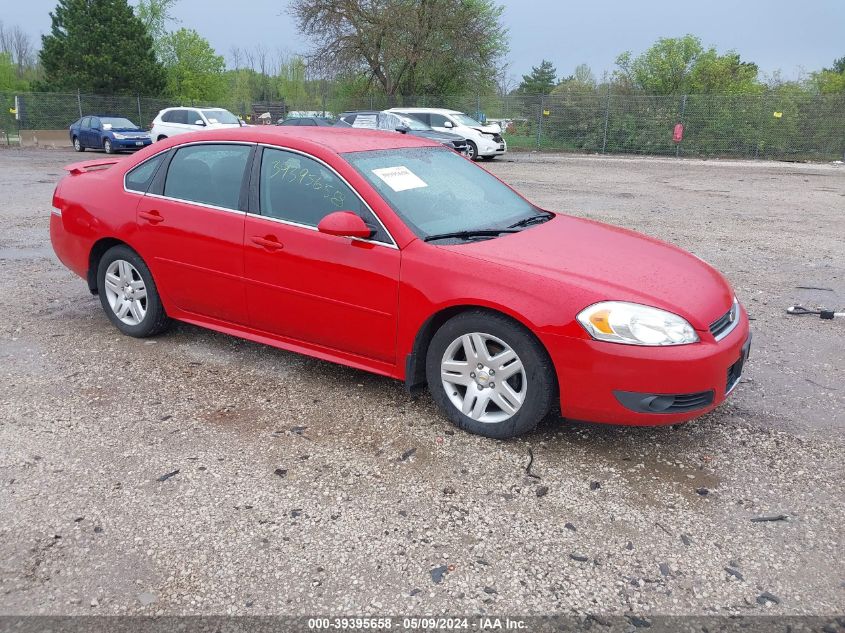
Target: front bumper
x=492, y=148
x=646, y=386
x=131, y=143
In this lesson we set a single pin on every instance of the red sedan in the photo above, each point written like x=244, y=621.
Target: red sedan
x=398, y=256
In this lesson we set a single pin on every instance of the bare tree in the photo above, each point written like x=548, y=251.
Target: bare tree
x=405, y=46
x=22, y=50
x=505, y=81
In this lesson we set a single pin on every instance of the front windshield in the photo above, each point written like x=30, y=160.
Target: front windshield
x=436, y=191
x=463, y=119
x=117, y=123
x=220, y=116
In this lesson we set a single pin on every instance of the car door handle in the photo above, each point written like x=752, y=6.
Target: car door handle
x=270, y=242
x=153, y=217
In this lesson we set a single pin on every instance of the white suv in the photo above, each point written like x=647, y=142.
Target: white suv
x=173, y=121
x=483, y=141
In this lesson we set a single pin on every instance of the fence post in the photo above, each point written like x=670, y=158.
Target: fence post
x=140, y=122
x=79, y=102
x=606, y=120
x=540, y=122
x=681, y=121
x=478, y=107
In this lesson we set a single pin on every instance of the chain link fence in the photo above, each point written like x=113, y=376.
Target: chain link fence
x=795, y=126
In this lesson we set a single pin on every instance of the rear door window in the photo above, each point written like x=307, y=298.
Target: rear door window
x=86, y=123
x=210, y=174
x=425, y=117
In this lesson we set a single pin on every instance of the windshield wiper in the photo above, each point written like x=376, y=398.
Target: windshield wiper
x=534, y=219
x=466, y=235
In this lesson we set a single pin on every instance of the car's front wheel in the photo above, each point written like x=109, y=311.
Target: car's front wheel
x=472, y=150
x=490, y=375
x=128, y=293
x=108, y=146
x=77, y=144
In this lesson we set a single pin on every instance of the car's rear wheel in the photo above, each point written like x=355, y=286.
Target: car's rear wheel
x=108, y=146
x=161, y=137
x=77, y=144
x=472, y=150
x=489, y=375
x=128, y=293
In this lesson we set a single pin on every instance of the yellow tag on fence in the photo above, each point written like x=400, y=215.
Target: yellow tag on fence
x=778, y=115
x=546, y=112
x=13, y=111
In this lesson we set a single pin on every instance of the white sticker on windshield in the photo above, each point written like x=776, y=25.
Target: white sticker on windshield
x=400, y=178
x=106, y=126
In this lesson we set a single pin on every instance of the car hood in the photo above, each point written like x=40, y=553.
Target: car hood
x=601, y=262
x=434, y=135
x=488, y=129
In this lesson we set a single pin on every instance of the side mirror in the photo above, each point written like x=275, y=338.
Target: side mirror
x=403, y=129
x=344, y=224
x=448, y=124
x=199, y=122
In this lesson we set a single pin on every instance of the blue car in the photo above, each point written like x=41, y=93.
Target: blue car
x=109, y=133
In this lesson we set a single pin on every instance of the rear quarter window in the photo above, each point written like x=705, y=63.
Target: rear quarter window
x=139, y=178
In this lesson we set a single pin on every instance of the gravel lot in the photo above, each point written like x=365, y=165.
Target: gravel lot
x=309, y=488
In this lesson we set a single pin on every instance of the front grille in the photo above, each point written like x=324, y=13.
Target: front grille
x=498, y=138
x=722, y=326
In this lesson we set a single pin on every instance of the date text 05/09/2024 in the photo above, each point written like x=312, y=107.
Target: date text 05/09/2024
x=417, y=624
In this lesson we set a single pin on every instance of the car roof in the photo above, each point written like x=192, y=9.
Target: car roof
x=433, y=110
x=337, y=140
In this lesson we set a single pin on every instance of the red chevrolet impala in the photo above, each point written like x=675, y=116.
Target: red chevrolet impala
x=398, y=256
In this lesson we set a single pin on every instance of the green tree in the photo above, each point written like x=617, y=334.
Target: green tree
x=662, y=69
x=194, y=70
x=830, y=80
x=406, y=47
x=682, y=65
x=99, y=46
x=8, y=75
x=541, y=80
x=155, y=15
x=722, y=74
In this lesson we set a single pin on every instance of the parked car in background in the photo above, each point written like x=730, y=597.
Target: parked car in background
x=392, y=254
x=394, y=122
x=173, y=121
x=109, y=133
x=483, y=141
x=308, y=121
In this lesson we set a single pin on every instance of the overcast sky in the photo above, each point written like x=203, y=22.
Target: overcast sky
x=787, y=35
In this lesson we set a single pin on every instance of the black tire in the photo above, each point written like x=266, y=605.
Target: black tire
x=541, y=388
x=155, y=320
x=472, y=150
x=161, y=137
x=107, y=146
x=77, y=145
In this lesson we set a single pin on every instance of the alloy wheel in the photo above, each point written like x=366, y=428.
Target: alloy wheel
x=483, y=377
x=126, y=292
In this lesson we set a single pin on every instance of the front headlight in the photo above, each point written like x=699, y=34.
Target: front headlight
x=635, y=324
x=119, y=137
